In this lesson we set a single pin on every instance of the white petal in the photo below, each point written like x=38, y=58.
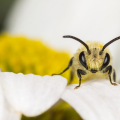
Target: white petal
x=51, y=19
x=32, y=94
x=6, y=111
x=95, y=100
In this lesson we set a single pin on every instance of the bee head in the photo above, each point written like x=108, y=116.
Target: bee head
x=94, y=62
x=94, y=58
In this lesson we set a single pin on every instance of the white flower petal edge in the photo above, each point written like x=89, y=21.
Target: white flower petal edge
x=7, y=112
x=95, y=100
x=31, y=94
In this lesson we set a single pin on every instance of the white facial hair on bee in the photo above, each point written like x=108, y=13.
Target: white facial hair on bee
x=92, y=60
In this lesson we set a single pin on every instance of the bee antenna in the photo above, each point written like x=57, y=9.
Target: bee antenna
x=69, y=36
x=113, y=40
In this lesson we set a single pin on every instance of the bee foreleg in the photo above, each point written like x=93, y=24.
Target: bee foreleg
x=114, y=75
x=71, y=77
x=109, y=70
x=70, y=63
x=79, y=73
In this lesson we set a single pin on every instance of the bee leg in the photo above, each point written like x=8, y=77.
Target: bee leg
x=70, y=63
x=109, y=68
x=114, y=76
x=79, y=73
x=71, y=77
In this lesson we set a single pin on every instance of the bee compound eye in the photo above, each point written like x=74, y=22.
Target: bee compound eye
x=82, y=60
x=106, y=61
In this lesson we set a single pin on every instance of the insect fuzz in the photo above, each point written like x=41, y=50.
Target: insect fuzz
x=93, y=61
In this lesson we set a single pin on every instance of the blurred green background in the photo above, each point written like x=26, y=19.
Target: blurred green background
x=19, y=54
x=5, y=6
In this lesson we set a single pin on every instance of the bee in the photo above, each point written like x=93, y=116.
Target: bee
x=92, y=60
